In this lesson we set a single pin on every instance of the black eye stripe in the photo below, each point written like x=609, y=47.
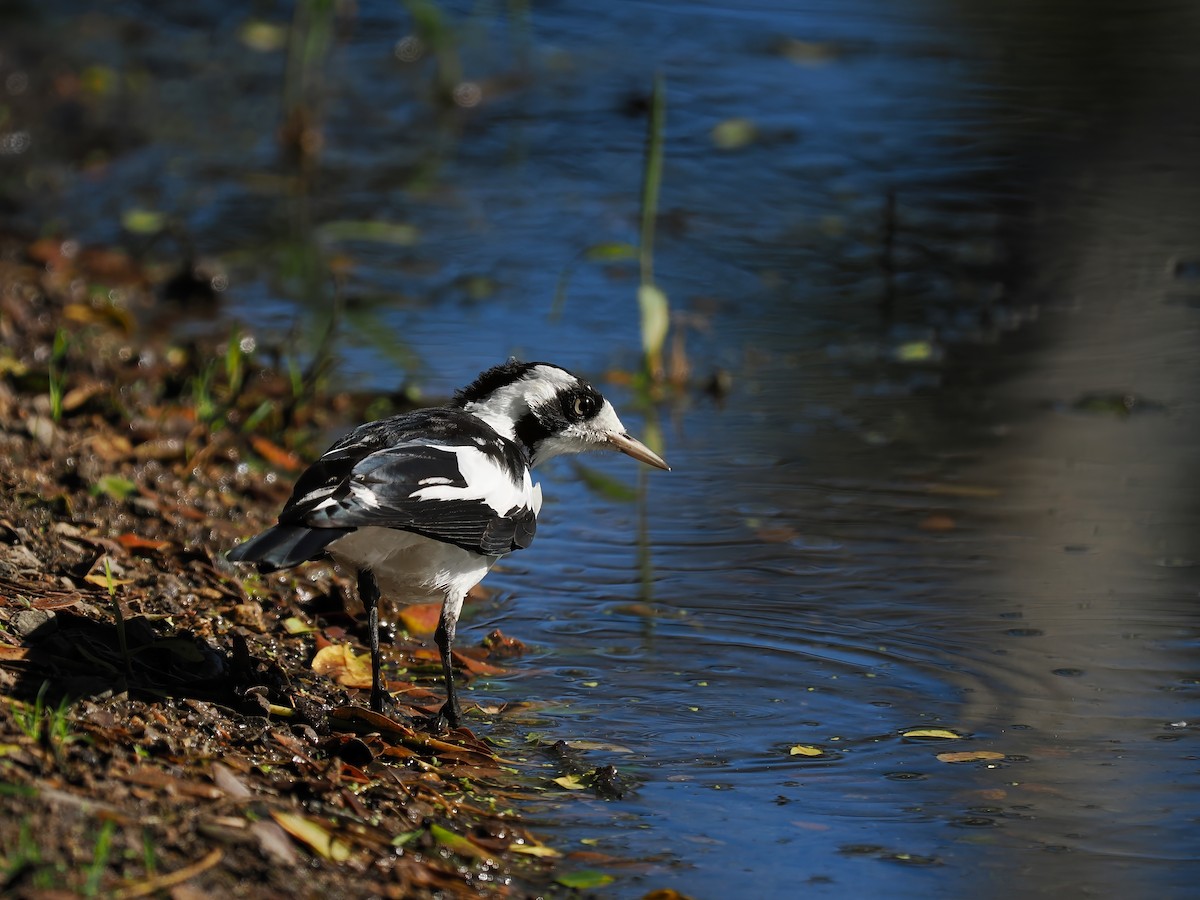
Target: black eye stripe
x=580, y=402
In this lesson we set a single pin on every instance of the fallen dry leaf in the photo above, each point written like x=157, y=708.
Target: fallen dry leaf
x=314, y=835
x=421, y=618
x=274, y=454
x=131, y=541
x=343, y=665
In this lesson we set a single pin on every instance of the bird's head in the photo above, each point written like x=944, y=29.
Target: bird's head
x=550, y=411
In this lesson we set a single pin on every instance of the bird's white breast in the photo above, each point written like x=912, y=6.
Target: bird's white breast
x=411, y=568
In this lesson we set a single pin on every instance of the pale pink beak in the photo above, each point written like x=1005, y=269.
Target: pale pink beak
x=635, y=448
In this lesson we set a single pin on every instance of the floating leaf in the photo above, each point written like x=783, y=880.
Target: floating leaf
x=584, y=879
x=613, y=250
x=598, y=745
x=915, y=352
x=142, y=221
x=341, y=663
x=264, y=37
x=938, y=733
x=970, y=756
x=313, y=834
x=806, y=750
x=733, y=134
x=570, y=782
x=400, y=234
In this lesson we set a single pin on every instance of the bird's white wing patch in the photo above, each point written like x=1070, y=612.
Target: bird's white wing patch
x=364, y=495
x=486, y=480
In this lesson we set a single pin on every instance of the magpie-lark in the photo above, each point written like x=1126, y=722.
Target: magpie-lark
x=421, y=505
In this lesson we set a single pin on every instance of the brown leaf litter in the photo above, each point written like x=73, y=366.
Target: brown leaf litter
x=169, y=726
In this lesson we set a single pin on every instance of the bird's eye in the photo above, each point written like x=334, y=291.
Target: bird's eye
x=583, y=406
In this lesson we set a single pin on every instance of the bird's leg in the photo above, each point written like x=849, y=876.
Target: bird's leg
x=368, y=593
x=444, y=637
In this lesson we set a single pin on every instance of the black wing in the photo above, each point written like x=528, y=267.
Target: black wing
x=440, y=473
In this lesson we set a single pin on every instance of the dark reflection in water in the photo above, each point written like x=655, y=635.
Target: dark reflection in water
x=935, y=513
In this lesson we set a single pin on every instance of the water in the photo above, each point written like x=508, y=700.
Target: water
x=850, y=546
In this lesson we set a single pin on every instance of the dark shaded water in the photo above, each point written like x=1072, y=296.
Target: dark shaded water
x=851, y=545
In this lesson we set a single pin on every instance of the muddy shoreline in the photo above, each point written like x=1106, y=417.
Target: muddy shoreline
x=171, y=725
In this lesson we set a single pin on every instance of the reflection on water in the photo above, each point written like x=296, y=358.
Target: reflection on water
x=898, y=518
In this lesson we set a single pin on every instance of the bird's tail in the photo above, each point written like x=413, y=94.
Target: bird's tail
x=283, y=546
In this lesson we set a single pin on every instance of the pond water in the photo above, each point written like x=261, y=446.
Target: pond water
x=970, y=507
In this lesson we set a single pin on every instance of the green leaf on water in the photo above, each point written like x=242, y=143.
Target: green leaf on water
x=583, y=879
x=914, y=352
x=570, y=782
x=607, y=252
x=143, y=221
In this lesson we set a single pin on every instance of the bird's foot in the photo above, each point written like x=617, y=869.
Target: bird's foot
x=381, y=702
x=449, y=716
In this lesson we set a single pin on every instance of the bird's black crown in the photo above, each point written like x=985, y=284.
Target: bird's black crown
x=492, y=380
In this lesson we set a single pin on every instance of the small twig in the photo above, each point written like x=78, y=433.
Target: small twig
x=179, y=876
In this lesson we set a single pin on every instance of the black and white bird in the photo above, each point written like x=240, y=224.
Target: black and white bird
x=421, y=505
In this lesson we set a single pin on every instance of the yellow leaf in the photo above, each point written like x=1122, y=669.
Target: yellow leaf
x=314, y=835
x=421, y=618
x=969, y=756
x=456, y=843
x=343, y=665
x=733, y=134
x=294, y=625
x=570, y=782
x=806, y=750
x=940, y=733
x=539, y=850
